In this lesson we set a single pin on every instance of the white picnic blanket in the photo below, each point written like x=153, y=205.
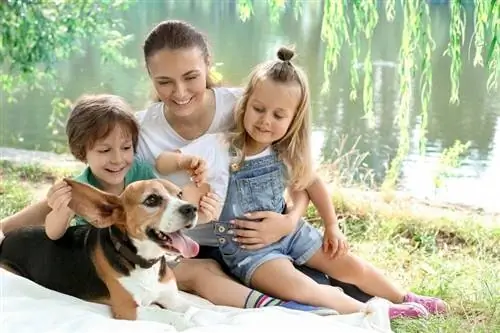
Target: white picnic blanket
x=28, y=307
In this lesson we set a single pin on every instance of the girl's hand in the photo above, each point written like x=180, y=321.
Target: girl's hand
x=59, y=196
x=270, y=227
x=335, y=242
x=210, y=207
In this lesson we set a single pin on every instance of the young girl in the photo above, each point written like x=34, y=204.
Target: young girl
x=269, y=150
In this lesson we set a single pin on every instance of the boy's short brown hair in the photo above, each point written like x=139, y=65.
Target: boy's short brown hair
x=93, y=117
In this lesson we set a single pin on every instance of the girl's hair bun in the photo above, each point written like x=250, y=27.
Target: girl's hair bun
x=285, y=54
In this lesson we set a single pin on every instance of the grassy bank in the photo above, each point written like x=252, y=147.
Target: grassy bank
x=451, y=253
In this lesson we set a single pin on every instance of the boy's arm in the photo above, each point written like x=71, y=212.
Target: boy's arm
x=57, y=222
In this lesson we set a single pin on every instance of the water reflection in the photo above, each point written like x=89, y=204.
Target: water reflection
x=239, y=46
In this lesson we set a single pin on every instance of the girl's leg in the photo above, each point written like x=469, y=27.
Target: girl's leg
x=353, y=269
x=205, y=278
x=322, y=278
x=289, y=284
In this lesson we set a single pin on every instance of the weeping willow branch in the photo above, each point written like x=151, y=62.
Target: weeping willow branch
x=365, y=20
x=390, y=11
x=457, y=29
x=406, y=70
x=493, y=57
x=481, y=19
x=334, y=33
x=417, y=47
x=427, y=47
x=245, y=9
x=276, y=8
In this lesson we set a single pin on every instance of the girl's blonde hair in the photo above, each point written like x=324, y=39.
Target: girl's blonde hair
x=293, y=148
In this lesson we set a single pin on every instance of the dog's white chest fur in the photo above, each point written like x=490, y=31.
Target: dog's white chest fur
x=145, y=287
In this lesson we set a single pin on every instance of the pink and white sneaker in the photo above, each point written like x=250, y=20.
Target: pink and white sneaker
x=407, y=310
x=433, y=304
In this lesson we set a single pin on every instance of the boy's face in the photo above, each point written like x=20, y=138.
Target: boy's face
x=110, y=159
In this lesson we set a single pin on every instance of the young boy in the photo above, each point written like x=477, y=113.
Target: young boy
x=102, y=132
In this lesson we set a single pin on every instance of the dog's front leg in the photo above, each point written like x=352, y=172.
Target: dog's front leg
x=157, y=314
x=172, y=300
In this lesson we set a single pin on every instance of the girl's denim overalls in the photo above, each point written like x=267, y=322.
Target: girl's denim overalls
x=259, y=185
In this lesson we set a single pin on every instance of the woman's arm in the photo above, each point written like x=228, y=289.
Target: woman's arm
x=270, y=226
x=31, y=215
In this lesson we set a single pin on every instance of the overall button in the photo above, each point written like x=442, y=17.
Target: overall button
x=222, y=240
x=221, y=228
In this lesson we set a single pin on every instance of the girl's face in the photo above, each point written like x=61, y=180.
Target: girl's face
x=269, y=112
x=180, y=79
x=110, y=159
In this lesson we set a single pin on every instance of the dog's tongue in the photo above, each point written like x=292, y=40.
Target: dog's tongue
x=185, y=245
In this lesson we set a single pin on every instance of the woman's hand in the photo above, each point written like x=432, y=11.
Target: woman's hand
x=268, y=228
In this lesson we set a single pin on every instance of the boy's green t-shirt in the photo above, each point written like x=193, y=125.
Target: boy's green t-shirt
x=138, y=171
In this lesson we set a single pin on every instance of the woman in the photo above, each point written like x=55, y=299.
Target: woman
x=189, y=105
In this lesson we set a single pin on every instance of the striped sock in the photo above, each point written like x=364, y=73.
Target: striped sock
x=258, y=300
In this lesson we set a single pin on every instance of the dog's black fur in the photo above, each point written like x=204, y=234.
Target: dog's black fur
x=63, y=265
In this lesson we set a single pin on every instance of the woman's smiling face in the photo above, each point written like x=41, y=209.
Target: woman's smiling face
x=180, y=79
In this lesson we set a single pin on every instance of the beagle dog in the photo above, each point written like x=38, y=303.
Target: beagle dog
x=121, y=258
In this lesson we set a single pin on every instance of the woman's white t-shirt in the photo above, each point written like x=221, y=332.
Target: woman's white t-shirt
x=156, y=134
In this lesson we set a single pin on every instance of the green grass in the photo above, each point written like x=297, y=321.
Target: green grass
x=17, y=183
x=455, y=258
x=13, y=196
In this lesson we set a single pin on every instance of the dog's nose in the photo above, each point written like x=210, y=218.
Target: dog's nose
x=188, y=211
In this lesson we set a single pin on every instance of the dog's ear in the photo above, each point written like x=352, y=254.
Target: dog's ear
x=99, y=208
x=170, y=187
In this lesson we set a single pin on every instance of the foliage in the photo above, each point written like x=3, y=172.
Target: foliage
x=346, y=22
x=450, y=159
x=35, y=35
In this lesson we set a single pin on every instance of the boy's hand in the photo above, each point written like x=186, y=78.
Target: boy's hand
x=59, y=196
x=334, y=242
x=195, y=166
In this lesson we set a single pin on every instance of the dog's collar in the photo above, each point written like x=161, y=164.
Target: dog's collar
x=127, y=253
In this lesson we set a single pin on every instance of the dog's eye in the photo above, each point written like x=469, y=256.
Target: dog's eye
x=153, y=200
x=179, y=195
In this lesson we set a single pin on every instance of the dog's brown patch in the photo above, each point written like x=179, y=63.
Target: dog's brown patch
x=123, y=306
